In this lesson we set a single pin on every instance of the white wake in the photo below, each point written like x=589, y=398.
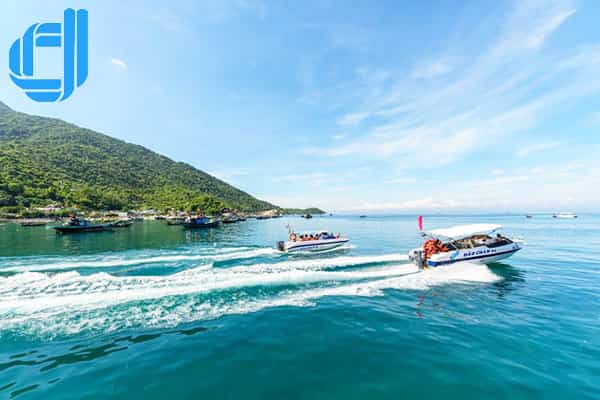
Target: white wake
x=120, y=261
x=68, y=302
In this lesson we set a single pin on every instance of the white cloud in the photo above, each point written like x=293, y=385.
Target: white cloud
x=503, y=180
x=545, y=27
x=432, y=70
x=401, y=180
x=119, y=64
x=417, y=204
x=536, y=170
x=352, y=119
x=313, y=179
x=507, y=89
x=170, y=21
x=536, y=148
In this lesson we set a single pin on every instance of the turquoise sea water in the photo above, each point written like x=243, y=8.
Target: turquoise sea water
x=154, y=312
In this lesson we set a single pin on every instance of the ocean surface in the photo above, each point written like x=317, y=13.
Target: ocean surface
x=157, y=312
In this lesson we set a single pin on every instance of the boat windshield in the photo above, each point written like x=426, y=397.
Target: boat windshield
x=306, y=236
x=478, y=241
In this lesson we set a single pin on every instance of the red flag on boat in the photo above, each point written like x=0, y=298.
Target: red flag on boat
x=420, y=219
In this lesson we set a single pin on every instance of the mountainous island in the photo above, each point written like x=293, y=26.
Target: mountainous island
x=49, y=161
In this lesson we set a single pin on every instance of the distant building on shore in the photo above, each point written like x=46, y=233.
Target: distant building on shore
x=51, y=208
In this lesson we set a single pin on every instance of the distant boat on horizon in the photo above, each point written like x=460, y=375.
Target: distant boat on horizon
x=564, y=215
x=76, y=225
x=33, y=223
x=122, y=223
x=200, y=222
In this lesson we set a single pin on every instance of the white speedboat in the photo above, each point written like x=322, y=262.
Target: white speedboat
x=312, y=241
x=564, y=215
x=478, y=243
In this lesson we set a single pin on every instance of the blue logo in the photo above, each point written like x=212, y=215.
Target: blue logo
x=72, y=36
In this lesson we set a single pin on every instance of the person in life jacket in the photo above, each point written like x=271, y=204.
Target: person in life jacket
x=433, y=246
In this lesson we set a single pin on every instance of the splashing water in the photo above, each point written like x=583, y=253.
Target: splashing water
x=39, y=303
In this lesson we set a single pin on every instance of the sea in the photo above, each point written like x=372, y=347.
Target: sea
x=159, y=312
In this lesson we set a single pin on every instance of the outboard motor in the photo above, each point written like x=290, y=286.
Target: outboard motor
x=281, y=245
x=416, y=256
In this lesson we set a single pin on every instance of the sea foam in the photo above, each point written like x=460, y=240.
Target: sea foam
x=64, y=303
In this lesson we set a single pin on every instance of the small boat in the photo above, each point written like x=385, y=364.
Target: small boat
x=477, y=243
x=312, y=241
x=200, y=222
x=564, y=215
x=230, y=218
x=362, y=216
x=529, y=216
x=307, y=216
x=121, y=223
x=76, y=225
x=175, y=221
x=33, y=223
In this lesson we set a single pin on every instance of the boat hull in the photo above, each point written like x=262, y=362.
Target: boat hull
x=81, y=229
x=121, y=224
x=478, y=255
x=32, y=224
x=201, y=226
x=314, y=245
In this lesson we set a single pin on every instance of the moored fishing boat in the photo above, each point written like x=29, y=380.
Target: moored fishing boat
x=33, y=223
x=121, y=223
x=476, y=243
x=200, y=222
x=230, y=218
x=175, y=220
x=312, y=241
x=76, y=225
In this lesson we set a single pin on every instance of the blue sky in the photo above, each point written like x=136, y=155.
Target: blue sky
x=349, y=106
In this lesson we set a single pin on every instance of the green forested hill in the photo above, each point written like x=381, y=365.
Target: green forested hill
x=45, y=160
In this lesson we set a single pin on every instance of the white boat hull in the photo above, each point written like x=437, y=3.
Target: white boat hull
x=478, y=255
x=314, y=245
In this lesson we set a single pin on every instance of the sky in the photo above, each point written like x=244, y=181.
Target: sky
x=382, y=107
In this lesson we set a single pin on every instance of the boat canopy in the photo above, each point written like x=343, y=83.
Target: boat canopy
x=464, y=231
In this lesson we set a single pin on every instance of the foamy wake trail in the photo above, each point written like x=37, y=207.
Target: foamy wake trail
x=66, y=303
x=120, y=261
x=33, y=291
